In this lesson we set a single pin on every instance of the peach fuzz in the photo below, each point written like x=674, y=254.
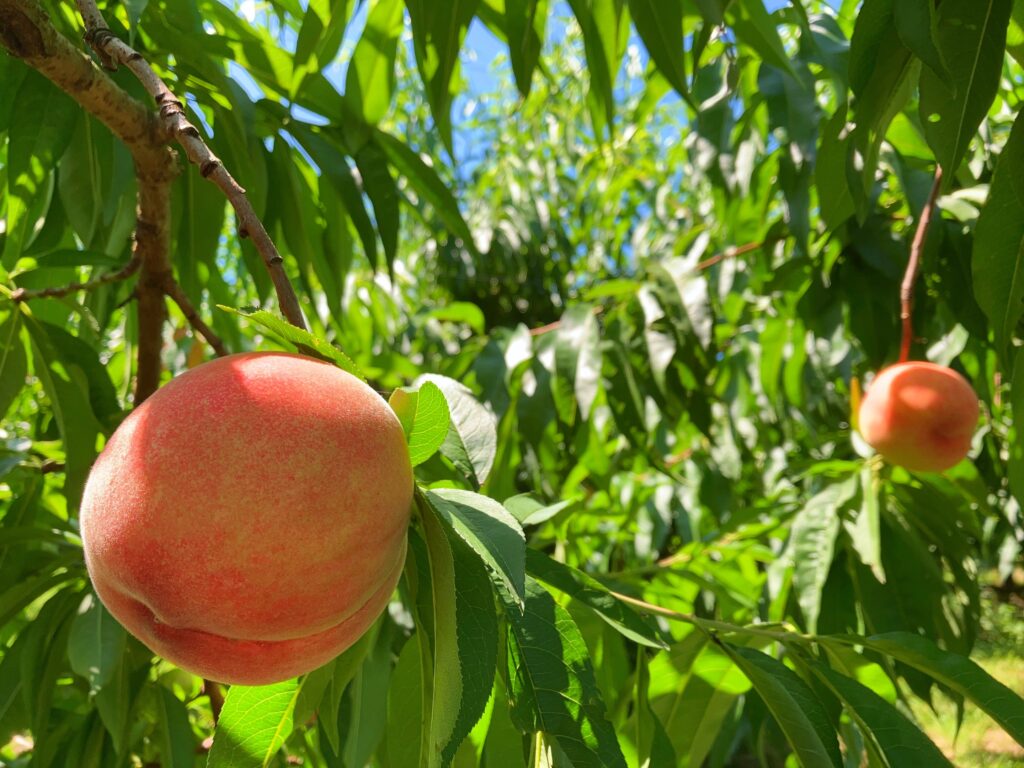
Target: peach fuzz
x=920, y=416
x=248, y=521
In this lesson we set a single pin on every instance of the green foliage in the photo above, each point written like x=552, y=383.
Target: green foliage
x=634, y=272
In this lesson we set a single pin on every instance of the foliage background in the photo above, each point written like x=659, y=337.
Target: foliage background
x=646, y=262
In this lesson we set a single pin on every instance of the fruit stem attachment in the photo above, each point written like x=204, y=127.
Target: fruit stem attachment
x=913, y=264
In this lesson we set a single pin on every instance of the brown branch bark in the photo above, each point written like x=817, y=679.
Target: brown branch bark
x=729, y=253
x=212, y=689
x=913, y=264
x=113, y=52
x=129, y=269
x=152, y=244
x=178, y=296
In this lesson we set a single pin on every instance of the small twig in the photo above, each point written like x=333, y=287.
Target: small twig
x=713, y=624
x=114, y=51
x=557, y=324
x=178, y=296
x=729, y=253
x=910, y=276
x=213, y=690
x=129, y=269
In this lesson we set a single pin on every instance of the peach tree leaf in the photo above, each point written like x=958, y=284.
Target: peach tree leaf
x=97, y=643
x=798, y=711
x=899, y=739
x=472, y=438
x=957, y=673
x=465, y=639
x=998, y=256
x=593, y=594
x=490, y=530
x=552, y=688
x=253, y=725
x=424, y=417
x=972, y=39
x=299, y=340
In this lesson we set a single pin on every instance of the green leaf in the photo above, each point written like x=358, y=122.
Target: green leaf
x=577, y=362
x=13, y=361
x=383, y=193
x=812, y=545
x=253, y=725
x=75, y=352
x=300, y=340
x=491, y=532
x=96, y=645
x=593, y=594
x=529, y=511
x=972, y=38
x=881, y=71
x=336, y=169
x=551, y=682
x=46, y=120
x=177, y=743
x=437, y=35
x=865, y=532
x=370, y=82
x=425, y=419
x=799, y=713
x=693, y=689
x=472, y=438
x=428, y=185
x=342, y=670
x=524, y=27
x=403, y=736
x=461, y=312
x=653, y=745
x=465, y=639
x=660, y=25
x=900, y=740
x=755, y=27
x=1015, y=440
x=997, y=260
x=916, y=24
x=958, y=673
x=67, y=390
x=605, y=31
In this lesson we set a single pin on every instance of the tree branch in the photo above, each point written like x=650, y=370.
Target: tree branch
x=913, y=264
x=113, y=51
x=178, y=296
x=129, y=269
x=152, y=245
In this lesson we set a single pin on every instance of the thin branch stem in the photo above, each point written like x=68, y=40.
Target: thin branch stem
x=129, y=269
x=732, y=252
x=113, y=52
x=712, y=624
x=152, y=246
x=913, y=264
x=178, y=296
x=212, y=689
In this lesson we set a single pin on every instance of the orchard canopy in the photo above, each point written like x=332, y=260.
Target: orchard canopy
x=625, y=270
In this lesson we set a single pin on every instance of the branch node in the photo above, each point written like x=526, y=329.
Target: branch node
x=208, y=167
x=276, y=260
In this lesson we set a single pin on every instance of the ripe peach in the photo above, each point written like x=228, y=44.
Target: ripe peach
x=248, y=521
x=919, y=415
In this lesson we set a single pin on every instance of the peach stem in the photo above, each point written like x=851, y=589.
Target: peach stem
x=910, y=276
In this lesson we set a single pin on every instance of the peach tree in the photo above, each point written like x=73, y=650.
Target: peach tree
x=621, y=268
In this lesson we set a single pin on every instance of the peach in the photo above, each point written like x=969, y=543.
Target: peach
x=920, y=415
x=248, y=521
